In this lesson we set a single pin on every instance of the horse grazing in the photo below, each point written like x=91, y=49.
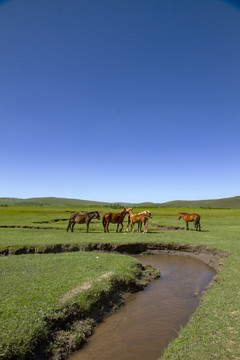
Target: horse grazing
x=140, y=219
x=82, y=218
x=114, y=218
x=190, y=217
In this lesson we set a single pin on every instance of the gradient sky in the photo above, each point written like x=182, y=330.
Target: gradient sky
x=120, y=100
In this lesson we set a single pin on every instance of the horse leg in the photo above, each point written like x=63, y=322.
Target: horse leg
x=104, y=224
x=195, y=225
x=187, y=228
x=72, y=226
x=87, y=226
x=128, y=223
x=145, y=226
x=118, y=227
x=121, y=227
x=138, y=230
x=132, y=226
x=69, y=225
x=107, y=225
x=198, y=225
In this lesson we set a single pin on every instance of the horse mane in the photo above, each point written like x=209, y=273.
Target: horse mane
x=122, y=211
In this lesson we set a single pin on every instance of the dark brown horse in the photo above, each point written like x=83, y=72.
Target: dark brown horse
x=140, y=219
x=190, y=217
x=82, y=218
x=114, y=218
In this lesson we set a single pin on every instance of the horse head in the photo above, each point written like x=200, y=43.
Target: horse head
x=146, y=212
x=129, y=210
x=179, y=216
x=97, y=215
x=149, y=214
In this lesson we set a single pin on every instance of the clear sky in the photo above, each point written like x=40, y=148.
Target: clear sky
x=120, y=100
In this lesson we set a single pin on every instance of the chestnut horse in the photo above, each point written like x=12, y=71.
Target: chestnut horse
x=141, y=218
x=190, y=217
x=145, y=212
x=114, y=218
x=82, y=218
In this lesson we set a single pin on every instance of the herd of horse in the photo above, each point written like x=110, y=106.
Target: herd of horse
x=141, y=219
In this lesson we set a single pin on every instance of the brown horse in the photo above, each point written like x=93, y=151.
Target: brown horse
x=114, y=218
x=82, y=218
x=145, y=212
x=190, y=217
x=140, y=219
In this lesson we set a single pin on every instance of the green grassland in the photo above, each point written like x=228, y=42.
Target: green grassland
x=31, y=285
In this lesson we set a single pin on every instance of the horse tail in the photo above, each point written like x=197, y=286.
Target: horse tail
x=199, y=227
x=197, y=218
x=197, y=222
x=71, y=221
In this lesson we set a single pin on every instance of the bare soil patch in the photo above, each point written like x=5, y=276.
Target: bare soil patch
x=165, y=227
x=85, y=286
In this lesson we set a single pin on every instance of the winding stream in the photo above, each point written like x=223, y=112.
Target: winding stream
x=143, y=327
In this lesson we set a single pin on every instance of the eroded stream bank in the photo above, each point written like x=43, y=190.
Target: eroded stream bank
x=143, y=327
x=211, y=257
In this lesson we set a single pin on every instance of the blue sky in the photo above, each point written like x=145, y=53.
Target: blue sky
x=120, y=100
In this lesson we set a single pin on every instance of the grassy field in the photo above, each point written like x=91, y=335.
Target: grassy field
x=33, y=284
x=32, y=287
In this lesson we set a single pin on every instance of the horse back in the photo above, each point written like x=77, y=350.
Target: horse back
x=80, y=218
x=114, y=218
x=192, y=217
x=137, y=217
x=107, y=216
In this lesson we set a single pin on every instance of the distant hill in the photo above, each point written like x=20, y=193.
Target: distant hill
x=50, y=201
x=225, y=203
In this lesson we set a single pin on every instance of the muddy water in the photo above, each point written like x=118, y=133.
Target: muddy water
x=143, y=327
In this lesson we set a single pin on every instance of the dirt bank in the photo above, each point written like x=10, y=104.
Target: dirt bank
x=209, y=256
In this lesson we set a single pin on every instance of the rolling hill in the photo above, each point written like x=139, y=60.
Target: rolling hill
x=225, y=203
x=49, y=201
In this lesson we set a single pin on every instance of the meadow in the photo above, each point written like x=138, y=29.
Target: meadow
x=32, y=285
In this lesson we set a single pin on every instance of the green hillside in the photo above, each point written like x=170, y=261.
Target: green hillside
x=225, y=203
x=49, y=201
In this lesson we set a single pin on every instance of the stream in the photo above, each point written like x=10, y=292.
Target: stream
x=149, y=319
